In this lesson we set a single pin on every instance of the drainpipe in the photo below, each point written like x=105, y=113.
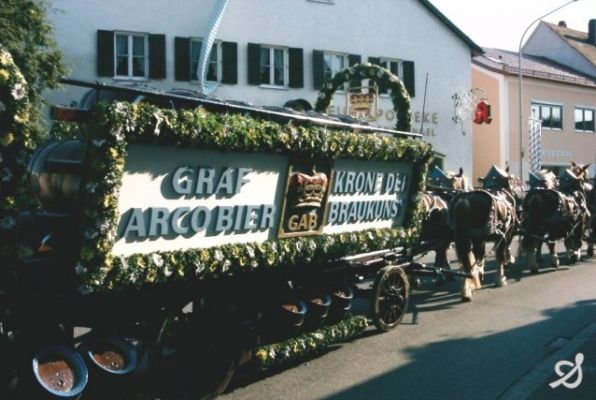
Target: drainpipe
x=208, y=41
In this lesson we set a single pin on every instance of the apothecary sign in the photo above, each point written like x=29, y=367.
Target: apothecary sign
x=174, y=198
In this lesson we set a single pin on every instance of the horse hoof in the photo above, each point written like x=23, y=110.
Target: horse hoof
x=466, y=299
x=502, y=282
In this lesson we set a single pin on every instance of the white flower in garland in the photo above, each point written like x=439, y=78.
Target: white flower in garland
x=157, y=260
x=18, y=91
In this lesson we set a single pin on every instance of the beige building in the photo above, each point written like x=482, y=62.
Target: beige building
x=558, y=103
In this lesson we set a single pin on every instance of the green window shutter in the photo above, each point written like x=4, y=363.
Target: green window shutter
x=157, y=56
x=254, y=59
x=409, y=79
x=229, y=62
x=105, y=53
x=317, y=69
x=182, y=59
x=296, y=68
x=352, y=60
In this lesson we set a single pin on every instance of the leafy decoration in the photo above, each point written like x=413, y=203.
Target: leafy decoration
x=382, y=77
x=120, y=123
x=307, y=344
x=16, y=143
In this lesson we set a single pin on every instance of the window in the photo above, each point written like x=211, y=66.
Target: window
x=403, y=69
x=212, y=65
x=394, y=67
x=276, y=66
x=333, y=63
x=131, y=55
x=584, y=119
x=272, y=66
x=222, y=66
x=551, y=115
x=327, y=63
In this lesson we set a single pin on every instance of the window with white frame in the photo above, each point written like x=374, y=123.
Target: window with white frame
x=333, y=63
x=212, y=65
x=394, y=66
x=273, y=63
x=584, y=119
x=550, y=114
x=132, y=55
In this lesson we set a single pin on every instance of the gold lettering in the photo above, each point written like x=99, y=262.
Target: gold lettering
x=304, y=222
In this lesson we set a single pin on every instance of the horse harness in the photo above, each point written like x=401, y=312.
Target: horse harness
x=502, y=216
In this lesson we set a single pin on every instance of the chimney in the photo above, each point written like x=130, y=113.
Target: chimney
x=592, y=32
x=563, y=24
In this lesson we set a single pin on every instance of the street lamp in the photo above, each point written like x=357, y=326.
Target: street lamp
x=519, y=67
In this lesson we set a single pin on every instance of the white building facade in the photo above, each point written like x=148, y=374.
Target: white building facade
x=272, y=52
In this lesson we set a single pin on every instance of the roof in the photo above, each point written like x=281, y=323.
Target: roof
x=576, y=39
x=474, y=48
x=507, y=63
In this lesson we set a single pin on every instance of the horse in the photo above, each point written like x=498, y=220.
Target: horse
x=591, y=229
x=552, y=213
x=480, y=216
x=542, y=179
x=436, y=231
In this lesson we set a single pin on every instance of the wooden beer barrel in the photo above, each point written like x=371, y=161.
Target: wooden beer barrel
x=54, y=174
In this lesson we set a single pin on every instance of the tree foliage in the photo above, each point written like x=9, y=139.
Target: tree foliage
x=26, y=33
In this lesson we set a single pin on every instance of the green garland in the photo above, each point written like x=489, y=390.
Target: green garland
x=307, y=344
x=382, y=77
x=117, y=124
x=16, y=143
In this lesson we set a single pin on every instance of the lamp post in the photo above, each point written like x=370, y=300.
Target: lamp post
x=519, y=67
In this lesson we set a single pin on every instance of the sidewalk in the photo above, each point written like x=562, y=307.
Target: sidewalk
x=536, y=384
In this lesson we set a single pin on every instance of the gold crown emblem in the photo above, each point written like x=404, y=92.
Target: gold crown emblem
x=361, y=101
x=307, y=190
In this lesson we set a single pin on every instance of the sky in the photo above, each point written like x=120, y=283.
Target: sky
x=500, y=23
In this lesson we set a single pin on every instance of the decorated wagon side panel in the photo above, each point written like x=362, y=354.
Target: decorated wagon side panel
x=213, y=198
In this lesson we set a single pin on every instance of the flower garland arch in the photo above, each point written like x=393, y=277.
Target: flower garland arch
x=382, y=77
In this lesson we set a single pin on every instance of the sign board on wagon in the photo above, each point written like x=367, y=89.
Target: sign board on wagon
x=173, y=198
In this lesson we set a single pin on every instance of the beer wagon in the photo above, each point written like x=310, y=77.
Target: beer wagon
x=173, y=238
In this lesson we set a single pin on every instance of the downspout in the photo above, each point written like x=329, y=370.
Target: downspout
x=208, y=41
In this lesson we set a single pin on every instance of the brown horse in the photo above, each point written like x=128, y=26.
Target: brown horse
x=555, y=213
x=591, y=230
x=436, y=231
x=480, y=216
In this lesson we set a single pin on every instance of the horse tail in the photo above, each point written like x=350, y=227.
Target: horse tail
x=459, y=213
x=532, y=207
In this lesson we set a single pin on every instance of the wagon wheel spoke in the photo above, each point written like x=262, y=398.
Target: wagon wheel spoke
x=390, y=298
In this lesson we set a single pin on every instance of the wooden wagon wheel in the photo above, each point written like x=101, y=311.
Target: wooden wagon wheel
x=194, y=359
x=390, y=301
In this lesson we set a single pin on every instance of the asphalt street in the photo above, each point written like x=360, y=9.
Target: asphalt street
x=509, y=343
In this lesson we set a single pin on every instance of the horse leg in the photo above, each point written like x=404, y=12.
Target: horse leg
x=502, y=255
x=573, y=244
x=441, y=261
x=530, y=247
x=464, y=255
x=479, y=255
x=539, y=252
x=554, y=257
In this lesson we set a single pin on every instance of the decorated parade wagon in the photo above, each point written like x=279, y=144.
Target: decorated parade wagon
x=169, y=239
